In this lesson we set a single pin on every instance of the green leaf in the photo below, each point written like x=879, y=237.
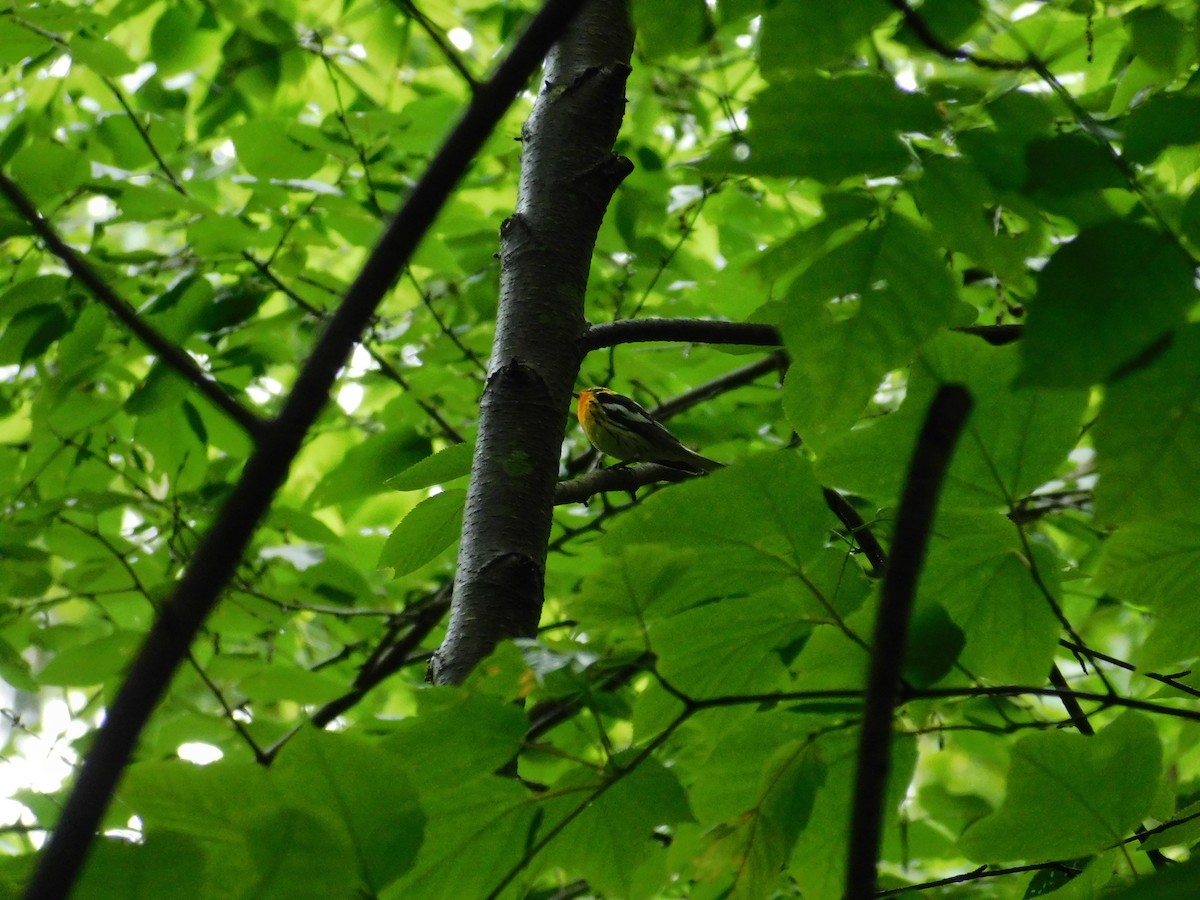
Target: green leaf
x=1102, y=301
x=179, y=40
x=1157, y=37
x=18, y=43
x=1148, y=438
x=1053, y=809
x=977, y=573
x=1162, y=121
x=828, y=129
x=433, y=525
x=445, y=465
x=457, y=737
x=14, y=669
x=1156, y=563
x=856, y=314
x=169, y=866
x=767, y=837
x=271, y=685
x=486, y=822
x=295, y=853
x=367, y=792
x=1179, y=882
x=772, y=515
x=268, y=151
x=996, y=462
x=934, y=645
x=365, y=467
x=31, y=332
x=615, y=833
x=964, y=207
x=730, y=646
x=102, y=56
x=91, y=662
x=818, y=862
x=665, y=27
x=803, y=34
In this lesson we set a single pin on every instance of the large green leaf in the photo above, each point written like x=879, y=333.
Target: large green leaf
x=828, y=129
x=859, y=312
x=615, y=832
x=804, y=33
x=995, y=462
x=1102, y=301
x=1052, y=808
x=1148, y=437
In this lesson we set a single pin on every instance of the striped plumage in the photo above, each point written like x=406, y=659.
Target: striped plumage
x=620, y=427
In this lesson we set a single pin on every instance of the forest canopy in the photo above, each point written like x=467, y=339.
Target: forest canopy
x=285, y=288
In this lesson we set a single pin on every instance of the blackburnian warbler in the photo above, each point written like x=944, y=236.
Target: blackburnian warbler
x=620, y=427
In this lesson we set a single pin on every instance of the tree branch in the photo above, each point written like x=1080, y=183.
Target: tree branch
x=927, y=471
x=166, y=351
x=694, y=331
x=751, y=334
x=922, y=30
x=626, y=479
x=214, y=562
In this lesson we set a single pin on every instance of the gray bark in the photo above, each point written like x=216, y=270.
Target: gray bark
x=568, y=176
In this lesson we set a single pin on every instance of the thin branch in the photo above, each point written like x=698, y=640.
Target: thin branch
x=1171, y=681
x=626, y=479
x=1035, y=573
x=388, y=370
x=695, y=331
x=217, y=557
x=435, y=34
x=752, y=334
x=922, y=30
x=722, y=384
x=859, y=530
x=1085, y=120
x=167, y=171
x=445, y=329
x=927, y=471
x=685, y=233
x=977, y=874
x=166, y=351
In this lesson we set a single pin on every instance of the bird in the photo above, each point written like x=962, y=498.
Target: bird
x=620, y=427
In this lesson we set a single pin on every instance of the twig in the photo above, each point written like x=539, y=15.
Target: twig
x=626, y=479
x=977, y=874
x=858, y=529
x=709, y=331
x=922, y=30
x=696, y=331
x=435, y=34
x=685, y=233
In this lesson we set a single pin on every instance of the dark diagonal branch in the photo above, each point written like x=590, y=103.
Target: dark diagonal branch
x=922, y=30
x=217, y=557
x=170, y=354
x=927, y=471
x=859, y=530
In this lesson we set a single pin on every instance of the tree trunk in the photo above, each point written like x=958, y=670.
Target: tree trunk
x=568, y=176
